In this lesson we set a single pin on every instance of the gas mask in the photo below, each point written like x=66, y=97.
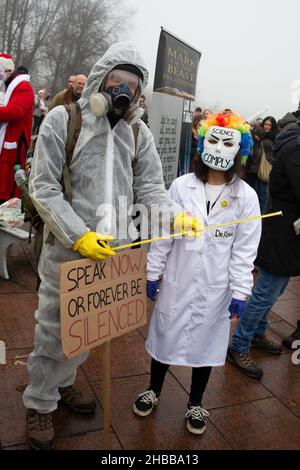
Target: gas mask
x=221, y=145
x=121, y=98
x=118, y=95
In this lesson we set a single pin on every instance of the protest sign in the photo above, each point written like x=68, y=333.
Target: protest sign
x=100, y=300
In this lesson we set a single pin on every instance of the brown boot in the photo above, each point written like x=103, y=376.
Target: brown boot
x=76, y=401
x=40, y=432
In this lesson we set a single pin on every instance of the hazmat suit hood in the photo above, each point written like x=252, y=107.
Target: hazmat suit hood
x=124, y=52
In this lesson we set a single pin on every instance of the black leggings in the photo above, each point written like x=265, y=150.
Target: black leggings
x=200, y=376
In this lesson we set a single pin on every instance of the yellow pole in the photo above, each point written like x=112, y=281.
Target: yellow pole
x=209, y=227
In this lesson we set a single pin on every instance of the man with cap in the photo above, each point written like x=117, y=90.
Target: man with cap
x=15, y=124
x=106, y=165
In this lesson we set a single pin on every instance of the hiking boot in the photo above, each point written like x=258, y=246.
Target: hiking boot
x=145, y=403
x=288, y=341
x=75, y=400
x=196, y=419
x=264, y=344
x=245, y=363
x=40, y=432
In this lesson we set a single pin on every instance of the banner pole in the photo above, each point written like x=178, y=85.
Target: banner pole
x=106, y=396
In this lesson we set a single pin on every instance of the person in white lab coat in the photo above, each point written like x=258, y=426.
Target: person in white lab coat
x=203, y=282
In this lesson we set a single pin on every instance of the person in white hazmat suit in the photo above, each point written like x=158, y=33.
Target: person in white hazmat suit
x=204, y=281
x=105, y=165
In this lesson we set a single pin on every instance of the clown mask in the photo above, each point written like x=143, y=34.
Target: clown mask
x=221, y=144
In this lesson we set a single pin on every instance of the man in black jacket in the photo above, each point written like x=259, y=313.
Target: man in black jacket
x=278, y=254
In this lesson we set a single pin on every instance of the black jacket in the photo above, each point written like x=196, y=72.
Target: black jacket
x=279, y=249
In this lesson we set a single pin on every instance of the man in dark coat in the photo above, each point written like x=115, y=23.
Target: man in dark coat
x=278, y=254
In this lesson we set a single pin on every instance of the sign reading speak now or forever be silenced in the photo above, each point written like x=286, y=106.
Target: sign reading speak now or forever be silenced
x=100, y=300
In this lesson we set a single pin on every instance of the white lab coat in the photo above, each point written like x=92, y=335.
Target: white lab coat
x=190, y=322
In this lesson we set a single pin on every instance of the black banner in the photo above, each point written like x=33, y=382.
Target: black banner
x=176, y=67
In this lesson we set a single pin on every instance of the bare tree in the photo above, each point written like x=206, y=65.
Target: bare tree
x=82, y=33
x=25, y=25
x=56, y=38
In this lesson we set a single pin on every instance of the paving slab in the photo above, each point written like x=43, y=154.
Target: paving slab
x=13, y=378
x=288, y=310
x=165, y=428
x=258, y=425
x=225, y=387
x=128, y=357
x=17, y=319
x=282, y=379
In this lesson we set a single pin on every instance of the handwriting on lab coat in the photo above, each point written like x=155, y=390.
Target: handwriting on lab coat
x=225, y=234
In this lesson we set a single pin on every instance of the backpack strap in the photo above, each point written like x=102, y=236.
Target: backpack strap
x=135, y=130
x=73, y=131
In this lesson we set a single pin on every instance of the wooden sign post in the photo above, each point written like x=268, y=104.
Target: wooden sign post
x=99, y=301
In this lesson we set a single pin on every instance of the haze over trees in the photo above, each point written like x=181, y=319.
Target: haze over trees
x=58, y=38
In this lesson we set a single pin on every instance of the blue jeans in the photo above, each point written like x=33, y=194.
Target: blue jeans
x=254, y=320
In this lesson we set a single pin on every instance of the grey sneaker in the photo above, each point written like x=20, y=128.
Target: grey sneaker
x=245, y=363
x=145, y=403
x=196, y=419
x=40, y=432
x=264, y=344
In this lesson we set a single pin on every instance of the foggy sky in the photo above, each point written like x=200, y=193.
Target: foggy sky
x=250, y=50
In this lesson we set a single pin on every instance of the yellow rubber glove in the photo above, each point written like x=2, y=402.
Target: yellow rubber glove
x=92, y=245
x=184, y=222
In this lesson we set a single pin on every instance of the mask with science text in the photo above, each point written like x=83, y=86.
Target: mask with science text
x=220, y=147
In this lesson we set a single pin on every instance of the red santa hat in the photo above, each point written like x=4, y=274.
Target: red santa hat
x=6, y=62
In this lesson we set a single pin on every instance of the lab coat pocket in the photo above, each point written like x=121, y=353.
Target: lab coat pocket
x=166, y=301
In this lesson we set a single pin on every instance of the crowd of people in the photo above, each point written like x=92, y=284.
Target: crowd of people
x=200, y=282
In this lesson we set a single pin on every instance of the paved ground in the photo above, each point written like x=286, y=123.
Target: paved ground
x=244, y=413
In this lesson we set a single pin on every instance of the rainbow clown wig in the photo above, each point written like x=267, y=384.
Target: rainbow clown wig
x=231, y=121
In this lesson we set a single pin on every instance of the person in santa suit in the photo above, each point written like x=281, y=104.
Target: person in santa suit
x=15, y=124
